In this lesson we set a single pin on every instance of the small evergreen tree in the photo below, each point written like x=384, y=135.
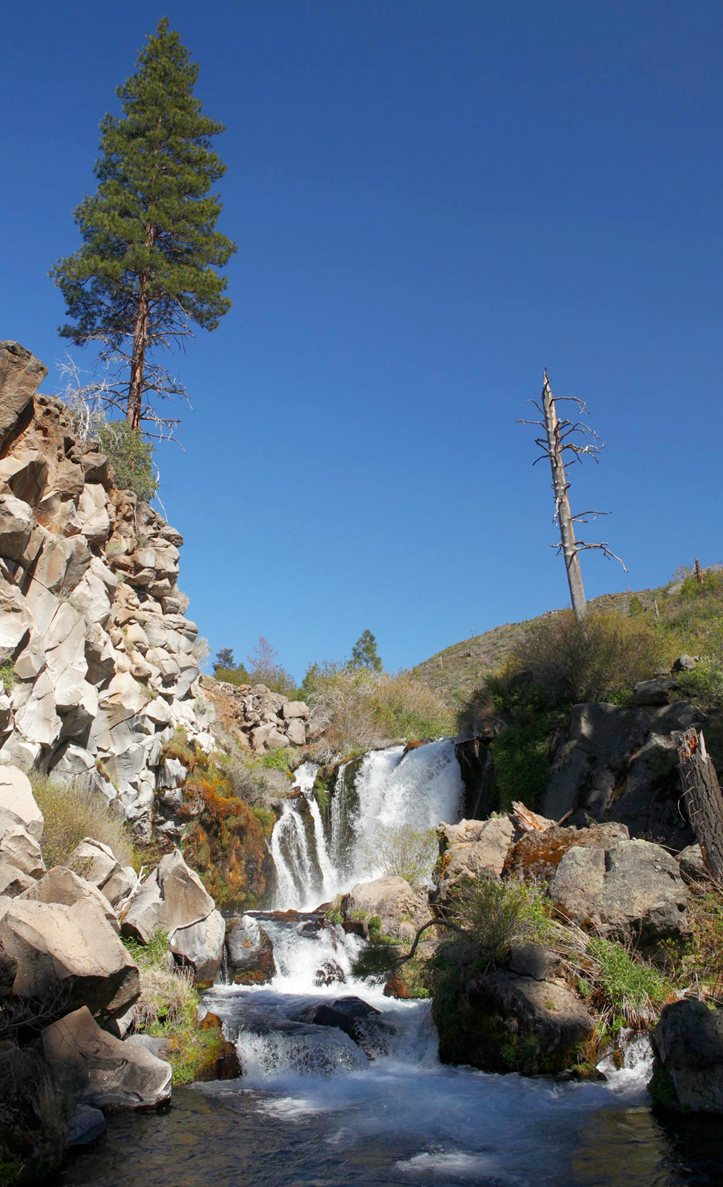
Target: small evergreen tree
x=224, y=658
x=146, y=268
x=364, y=653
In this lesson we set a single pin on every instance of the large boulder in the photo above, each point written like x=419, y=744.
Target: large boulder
x=200, y=946
x=172, y=897
x=523, y=1018
x=249, y=952
x=472, y=849
x=537, y=854
x=400, y=909
x=69, y=955
x=632, y=891
x=13, y=881
x=97, y=863
x=95, y=1068
x=688, y=1071
x=61, y=885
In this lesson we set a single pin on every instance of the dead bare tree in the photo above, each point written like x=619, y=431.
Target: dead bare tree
x=703, y=800
x=566, y=442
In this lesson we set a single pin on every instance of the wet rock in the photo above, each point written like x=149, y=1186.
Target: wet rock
x=92, y=1067
x=328, y=973
x=249, y=952
x=85, y=1125
x=362, y=1022
x=688, y=1071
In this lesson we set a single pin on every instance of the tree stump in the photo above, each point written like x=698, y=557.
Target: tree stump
x=703, y=800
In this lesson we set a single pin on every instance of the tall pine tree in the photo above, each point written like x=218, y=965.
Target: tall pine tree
x=146, y=269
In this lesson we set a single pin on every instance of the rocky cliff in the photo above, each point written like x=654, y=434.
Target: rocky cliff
x=96, y=655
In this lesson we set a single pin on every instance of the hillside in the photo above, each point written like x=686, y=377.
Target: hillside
x=454, y=672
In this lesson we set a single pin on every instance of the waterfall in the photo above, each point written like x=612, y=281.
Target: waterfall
x=393, y=789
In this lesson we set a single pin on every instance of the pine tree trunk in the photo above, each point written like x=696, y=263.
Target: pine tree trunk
x=138, y=361
x=559, y=483
x=703, y=800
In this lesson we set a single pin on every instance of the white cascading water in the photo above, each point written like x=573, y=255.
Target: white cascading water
x=431, y=1124
x=394, y=789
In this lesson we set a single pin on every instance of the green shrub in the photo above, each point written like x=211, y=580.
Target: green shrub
x=131, y=456
x=277, y=760
x=630, y=990
x=496, y=915
x=73, y=812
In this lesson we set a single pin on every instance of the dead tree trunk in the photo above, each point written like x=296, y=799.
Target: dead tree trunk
x=562, y=503
x=577, y=439
x=703, y=800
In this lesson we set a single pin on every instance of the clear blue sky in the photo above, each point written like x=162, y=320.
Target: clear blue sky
x=433, y=199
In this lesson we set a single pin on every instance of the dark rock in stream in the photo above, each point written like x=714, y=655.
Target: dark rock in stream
x=362, y=1022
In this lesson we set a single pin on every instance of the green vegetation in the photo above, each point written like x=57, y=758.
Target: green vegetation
x=495, y=915
x=277, y=760
x=72, y=812
x=131, y=457
x=146, y=269
x=167, y=1007
x=7, y=675
x=629, y=990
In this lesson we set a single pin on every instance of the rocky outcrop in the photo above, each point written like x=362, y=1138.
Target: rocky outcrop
x=399, y=909
x=688, y=1071
x=632, y=891
x=356, y=1018
x=264, y=720
x=94, y=1068
x=91, y=622
x=622, y=765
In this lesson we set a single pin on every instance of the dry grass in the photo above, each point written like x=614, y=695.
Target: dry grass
x=73, y=812
x=364, y=709
x=601, y=658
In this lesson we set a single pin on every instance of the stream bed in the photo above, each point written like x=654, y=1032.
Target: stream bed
x=315, y=1108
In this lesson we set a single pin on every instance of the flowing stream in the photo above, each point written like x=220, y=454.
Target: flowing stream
x=315, y=1108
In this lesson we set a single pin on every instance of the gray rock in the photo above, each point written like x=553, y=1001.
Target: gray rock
x=85, y=1125
x=688, y=1043
x=20, y=375
x=685, y=663
x=200, y=946
x=473, y=849
x=16, y=523
x=249, y=952
x=17, y=802
x=296, y=732
x=400, y=908
x=692, y=866
x=12, y=880
x=69, y=955
x=632, y=891
x=294, y=709
x=172, y=897
x=92, y=1067
x=61, y=885
x=653, y=692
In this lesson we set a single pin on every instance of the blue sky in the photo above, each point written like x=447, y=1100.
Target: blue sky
x=433, y=200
